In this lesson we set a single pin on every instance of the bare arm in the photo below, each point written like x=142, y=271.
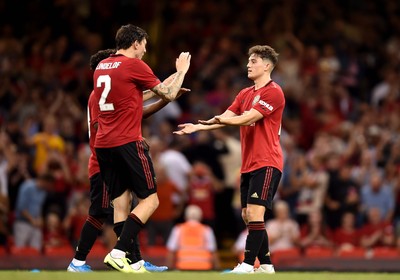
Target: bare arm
x=148, y=94
x=248, y=118
x=169, y=92
x=188, y=128
x=152, y=108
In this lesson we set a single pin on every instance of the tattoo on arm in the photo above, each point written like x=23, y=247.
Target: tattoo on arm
x=148, y=94
x=170, y=92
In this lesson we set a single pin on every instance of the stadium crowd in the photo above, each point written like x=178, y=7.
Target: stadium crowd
x=339, y=67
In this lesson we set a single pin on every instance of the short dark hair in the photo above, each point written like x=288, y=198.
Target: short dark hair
x=99, y=56
x=127, y=35
x=265, y=52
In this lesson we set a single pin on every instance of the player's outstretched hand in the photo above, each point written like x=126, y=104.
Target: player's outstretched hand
x=213, y=120
x=186, y=128
x=183, y=62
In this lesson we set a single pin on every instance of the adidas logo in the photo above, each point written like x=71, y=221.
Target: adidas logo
x=254, y=195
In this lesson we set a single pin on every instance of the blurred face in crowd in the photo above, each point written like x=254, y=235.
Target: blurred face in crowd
x=281, y=211
x=374, y=216
x=50, y=124
x=376, y=181
x=348, y=221
x=257, y=67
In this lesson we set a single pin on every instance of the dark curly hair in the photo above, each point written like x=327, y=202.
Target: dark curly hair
x=127, y=35
x=265, y=52
x=99, y=56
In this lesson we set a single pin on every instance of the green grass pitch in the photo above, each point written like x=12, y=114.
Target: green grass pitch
x=173, y=275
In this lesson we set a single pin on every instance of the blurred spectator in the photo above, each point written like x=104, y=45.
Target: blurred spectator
x=6, y=155
x=230, y=162
x=161, y=222
x=342, y=196
x=176, y=165
x=76, y=217
x=19, y=170
x=315, y=232
x=46, y=142
x=361, y=173
x=347, y=236
x=192, y=245
x=201, y=192
x=313, y=180
x=28, y=223
x=376, y=231
x=378, y=195
x=54, y=235
x=207, y=149
x=389, y=85
x=283, y=232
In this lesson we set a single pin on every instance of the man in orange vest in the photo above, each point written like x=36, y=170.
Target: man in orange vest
x=192, y=245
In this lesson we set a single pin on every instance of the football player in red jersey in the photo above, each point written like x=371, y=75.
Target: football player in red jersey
x=122, y=153
x=100, y=208
x=258, y=111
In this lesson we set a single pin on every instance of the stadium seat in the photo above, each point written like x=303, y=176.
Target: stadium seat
x=280, y=255
x=156, y=251
x=318, y=252
x=24, y=251
x=63, y=251
x=3, y=251
x=385, y=253
x=356, y=253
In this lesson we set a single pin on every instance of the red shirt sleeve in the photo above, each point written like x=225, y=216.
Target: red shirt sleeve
x=270, y=100
x=235, y=106
x=143, y=75
x=94, y=109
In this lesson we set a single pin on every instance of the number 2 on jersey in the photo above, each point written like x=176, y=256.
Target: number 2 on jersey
x=106, y=80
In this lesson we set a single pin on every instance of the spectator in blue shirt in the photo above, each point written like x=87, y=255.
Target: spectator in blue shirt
x=28, y=213
x=378, y=195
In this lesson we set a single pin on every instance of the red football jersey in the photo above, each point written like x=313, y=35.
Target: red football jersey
x=92, y=116
x=119, y=82
x=260, y=140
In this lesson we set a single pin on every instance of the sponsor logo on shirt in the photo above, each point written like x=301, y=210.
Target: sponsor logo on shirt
x=266, y=105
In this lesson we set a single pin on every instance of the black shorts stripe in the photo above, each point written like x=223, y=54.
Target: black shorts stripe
x=105, y=203
x=96, y=223
x=267, y=183
x=99, y=197
x=127, y=167
x=145, y=164
x=259, y=186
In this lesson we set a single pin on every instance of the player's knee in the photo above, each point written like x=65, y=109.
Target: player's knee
x=254, y=214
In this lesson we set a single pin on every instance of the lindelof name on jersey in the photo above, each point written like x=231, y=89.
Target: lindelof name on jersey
x=108, y=65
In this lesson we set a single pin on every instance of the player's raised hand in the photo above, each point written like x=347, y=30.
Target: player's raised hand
x=186, y=128
x=182, y=91
x=183, y=62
